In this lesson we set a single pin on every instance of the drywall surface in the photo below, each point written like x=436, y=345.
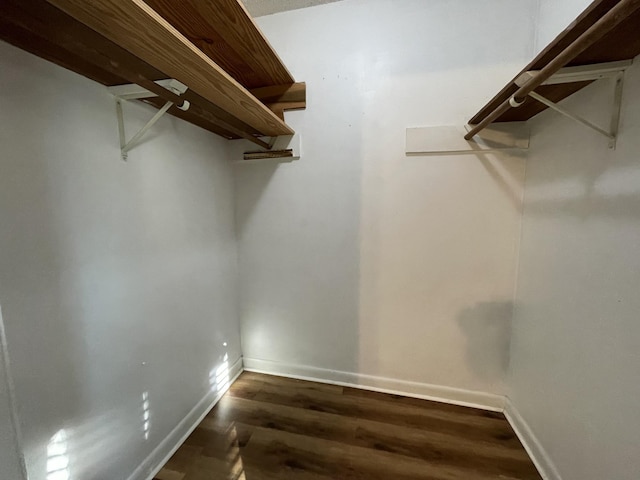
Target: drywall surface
x=117, y=279
x=554, y=17
x=575, y=357
x=362, y=260
x=10, y=447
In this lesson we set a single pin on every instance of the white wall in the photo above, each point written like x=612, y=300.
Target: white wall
x=575, y=357
x=358, y=258
x=10, y=445
x=554, y=16
x=116, y=278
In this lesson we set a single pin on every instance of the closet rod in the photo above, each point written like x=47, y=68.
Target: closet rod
x=598, y=30
x=169, y=96
x=195, y=109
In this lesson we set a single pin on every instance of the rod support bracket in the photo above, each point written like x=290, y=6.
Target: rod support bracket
x=514, y=102
x=135, y=92
x=614, y=124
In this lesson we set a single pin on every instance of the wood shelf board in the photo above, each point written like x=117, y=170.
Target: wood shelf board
x=268, y=155
x=44, y=30
x=50, y=33
x=283, y=98
x=294, y=93
x=205, y=115
x=227, y=34
x=28, y=41
x=622, y=43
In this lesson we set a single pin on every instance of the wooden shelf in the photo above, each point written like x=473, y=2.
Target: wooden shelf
x=621, y=43
x=117, y=42
x=226, y=33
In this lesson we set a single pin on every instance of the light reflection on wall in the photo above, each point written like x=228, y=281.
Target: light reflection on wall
x=57, y=457
x=219, y=377
x=146, y=415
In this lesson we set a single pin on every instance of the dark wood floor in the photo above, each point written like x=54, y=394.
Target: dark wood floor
x=273, y=428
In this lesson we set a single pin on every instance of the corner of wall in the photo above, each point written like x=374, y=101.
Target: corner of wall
x=537, y=453
x=436, y=393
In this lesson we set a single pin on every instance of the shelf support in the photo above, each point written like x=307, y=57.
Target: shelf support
x=286, y=148
x=608, y=22
x=126, y=146
x=137, y=28
x=617, y=107
x=135, y=92
x=612, y=134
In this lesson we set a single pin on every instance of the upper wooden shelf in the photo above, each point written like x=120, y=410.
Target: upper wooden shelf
x=621, y=43
x=211, y=46
x=225, y=32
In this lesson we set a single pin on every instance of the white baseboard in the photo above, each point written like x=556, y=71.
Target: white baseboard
x=467, y=398
x=532, y=445
x=455, y=396
x=163, y=452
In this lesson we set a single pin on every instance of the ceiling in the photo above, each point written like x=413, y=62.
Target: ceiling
x=259, y=8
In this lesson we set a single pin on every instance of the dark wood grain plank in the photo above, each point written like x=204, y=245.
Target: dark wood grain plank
x=25, y=39
x=258, y=379
x=277, y=451
x=137, y=28
x=469, y=426
x=48, y=25
x=226, y=33
x=622, y=43
x=505, y=458
x=286, y=93
x=275, y=428
x=46, y=31
x=41, y=28
x=283, y=98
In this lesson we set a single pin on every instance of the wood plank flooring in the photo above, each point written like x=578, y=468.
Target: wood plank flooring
x=274, y=428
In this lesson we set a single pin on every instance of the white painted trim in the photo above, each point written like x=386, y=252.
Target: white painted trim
x=449, y=140
x=438, y=393
x=151, y=465
x=532, y=445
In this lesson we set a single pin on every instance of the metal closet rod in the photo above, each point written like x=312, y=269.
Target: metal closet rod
x=598, y=30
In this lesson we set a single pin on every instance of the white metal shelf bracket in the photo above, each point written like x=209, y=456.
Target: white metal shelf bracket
x=135, y=92
x=613, y=70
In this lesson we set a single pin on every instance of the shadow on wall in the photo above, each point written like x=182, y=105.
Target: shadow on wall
x=495, y=166
x=603, y=188
x=487, y=326
x=578, y=186
x=572, y=158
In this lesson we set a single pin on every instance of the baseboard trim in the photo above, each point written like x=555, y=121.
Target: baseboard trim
x=455, y=396
x=151, y=465
x=532, y=445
